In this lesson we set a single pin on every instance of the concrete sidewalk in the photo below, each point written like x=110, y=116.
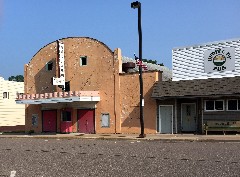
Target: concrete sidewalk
x=163, y=137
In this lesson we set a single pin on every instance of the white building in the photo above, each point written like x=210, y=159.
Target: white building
x=12, y=115
x=200, y=61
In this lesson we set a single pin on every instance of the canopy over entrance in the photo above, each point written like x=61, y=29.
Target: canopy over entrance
x=57, y=97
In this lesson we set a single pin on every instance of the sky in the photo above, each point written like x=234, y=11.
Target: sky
x=27, y=25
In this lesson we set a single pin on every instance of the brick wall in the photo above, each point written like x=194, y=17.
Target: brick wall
x=100, y=74
x=130, y=102
x=119, y=93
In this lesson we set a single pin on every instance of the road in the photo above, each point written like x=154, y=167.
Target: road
x=30, y=157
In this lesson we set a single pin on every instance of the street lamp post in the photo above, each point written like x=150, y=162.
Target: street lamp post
x=138, y=6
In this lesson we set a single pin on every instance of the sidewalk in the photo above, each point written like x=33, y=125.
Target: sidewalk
x=160, y=137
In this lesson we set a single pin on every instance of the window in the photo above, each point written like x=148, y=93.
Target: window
x=67, y=86
x=233, y=105
x=83, y=60
x=66, y=116
x=5, y=95
x=219, y=105
x=209, y=105
x=34, y=119
x=49, y=66
x=105, y=120
x=188, y=110
x=214, y=105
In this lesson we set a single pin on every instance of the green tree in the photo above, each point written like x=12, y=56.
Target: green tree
x=150, y=61
x=18, y=78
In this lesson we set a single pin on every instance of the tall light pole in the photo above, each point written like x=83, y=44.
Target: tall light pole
x=138, y=6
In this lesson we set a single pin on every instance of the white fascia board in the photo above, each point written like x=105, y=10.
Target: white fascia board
x=85, y=98
x=95, y=98
x=28, y=102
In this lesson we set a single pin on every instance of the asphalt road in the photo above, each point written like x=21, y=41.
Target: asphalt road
x=83, y=157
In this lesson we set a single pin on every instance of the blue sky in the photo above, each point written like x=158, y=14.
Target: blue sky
x=28, y=25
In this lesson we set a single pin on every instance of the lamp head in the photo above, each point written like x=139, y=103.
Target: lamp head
x=135, y=5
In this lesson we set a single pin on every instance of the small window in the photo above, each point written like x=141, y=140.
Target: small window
x=67, y=86
x=209, y=105
x=49, y=66
x=105, y=120
x=219, y=105
x=232, y=105
x=214, y=105
x=66, y=116
x=83, y=60
x=5, y=95
x=188, y=110
x=34, y=119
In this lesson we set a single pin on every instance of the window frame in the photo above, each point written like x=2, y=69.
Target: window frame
x=48, y=64
x=66, y=113
x=214, y=102
x=7, y=95
x=81, y=60
x=108, y=120
x=237, y=105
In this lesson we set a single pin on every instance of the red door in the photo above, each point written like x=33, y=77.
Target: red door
x=50, y=121
x=86, y=121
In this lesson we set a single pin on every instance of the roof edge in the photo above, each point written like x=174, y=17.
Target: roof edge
x=72, y=38
x=206, y=44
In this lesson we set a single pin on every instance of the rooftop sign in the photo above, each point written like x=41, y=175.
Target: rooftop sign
x=217, y=60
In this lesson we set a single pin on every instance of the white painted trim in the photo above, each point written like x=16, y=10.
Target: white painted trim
x=215, y=110
x=237, y=105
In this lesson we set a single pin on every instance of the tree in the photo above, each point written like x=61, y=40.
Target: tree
x=150, y=61
x=18, y=78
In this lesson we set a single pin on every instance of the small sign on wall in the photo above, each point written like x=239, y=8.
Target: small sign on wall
x=217, y=60
x=34, y=119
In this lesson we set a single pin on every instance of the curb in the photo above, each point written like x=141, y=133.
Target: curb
x=170, y=139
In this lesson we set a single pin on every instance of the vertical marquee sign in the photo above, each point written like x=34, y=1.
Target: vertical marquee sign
x=60, y=81
x=217, y=60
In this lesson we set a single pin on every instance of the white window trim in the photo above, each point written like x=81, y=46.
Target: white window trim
x=6, y=95
x=237, y=105
x=215, y=110
x=81, y=57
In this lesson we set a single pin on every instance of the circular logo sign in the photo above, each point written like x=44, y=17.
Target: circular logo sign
x=219, y=60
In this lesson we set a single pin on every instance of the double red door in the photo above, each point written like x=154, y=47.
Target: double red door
x=49, y=121
x=86, y=121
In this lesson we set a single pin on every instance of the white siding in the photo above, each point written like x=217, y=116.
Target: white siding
x=188, y=62
x=11, y=114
